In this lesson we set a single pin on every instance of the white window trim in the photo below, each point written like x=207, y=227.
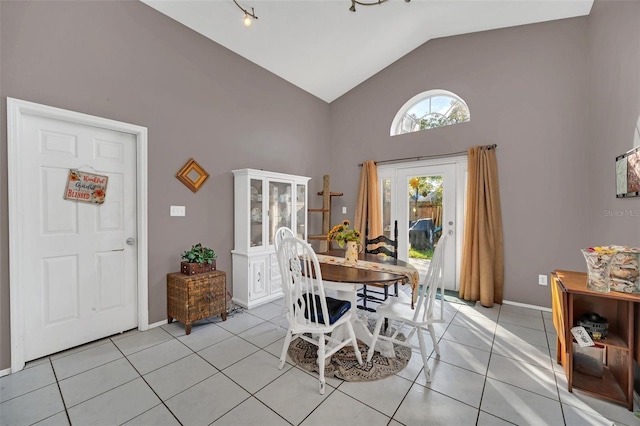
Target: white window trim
x=419, y=98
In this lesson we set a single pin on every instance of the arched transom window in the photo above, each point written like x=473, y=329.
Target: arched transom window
x=430, y=109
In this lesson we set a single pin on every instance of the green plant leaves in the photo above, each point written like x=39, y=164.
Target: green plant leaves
x=199, y=254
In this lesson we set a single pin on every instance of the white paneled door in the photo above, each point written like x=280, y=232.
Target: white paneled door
x=78, y=262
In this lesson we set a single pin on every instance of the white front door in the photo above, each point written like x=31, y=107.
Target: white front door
x=435, y=204
x=78, y=273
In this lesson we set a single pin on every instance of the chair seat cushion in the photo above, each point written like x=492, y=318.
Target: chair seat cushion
x=335, y=307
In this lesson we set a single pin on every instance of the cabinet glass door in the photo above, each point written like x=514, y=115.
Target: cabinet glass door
x=280, y=207
x=255, y=214
x=301, y=210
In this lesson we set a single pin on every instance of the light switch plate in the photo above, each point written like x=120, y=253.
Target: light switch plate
x=542, y=279
x=344, y=210
x=178, y=211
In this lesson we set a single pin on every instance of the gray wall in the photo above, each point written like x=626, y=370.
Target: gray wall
x=125, y=61
x=614, y=86
x=527, y=91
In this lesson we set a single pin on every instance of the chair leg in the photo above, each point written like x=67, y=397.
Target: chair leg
x=374, y=338
x=282, y=311
x=395, y=287
x=425, y=357
x=354, y=341
x=364, y=297
x=321, y=352
x=386, y=296
x=285, y=348
x=432, y=332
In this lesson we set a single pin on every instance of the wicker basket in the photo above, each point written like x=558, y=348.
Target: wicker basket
x=193, y=298
x=196, y=268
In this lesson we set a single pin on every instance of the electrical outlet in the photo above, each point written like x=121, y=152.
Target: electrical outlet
x=542, y=279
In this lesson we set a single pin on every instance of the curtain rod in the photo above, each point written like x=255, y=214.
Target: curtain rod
x=424, y=157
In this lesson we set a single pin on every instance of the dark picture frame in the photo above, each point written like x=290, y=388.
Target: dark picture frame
x=628, y=174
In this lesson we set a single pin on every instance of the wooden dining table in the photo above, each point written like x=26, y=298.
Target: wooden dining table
x=346, y=280
x=348, y=274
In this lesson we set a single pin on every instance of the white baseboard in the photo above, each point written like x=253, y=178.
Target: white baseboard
x=157, y=324
x=525, y=305
x=5, y=372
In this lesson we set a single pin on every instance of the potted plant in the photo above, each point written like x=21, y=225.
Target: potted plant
x=198, y=260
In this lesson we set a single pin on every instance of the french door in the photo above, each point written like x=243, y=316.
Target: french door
x=427, y=200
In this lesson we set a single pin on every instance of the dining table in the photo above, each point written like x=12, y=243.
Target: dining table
x=345, y=279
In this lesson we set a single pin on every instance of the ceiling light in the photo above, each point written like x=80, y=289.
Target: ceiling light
x=247, y=20
x=371, y=3
x=248, y=17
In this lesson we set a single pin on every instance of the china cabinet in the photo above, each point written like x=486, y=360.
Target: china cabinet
x=263, y=202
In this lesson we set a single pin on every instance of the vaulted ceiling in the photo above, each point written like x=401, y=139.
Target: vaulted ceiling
x=325, y=49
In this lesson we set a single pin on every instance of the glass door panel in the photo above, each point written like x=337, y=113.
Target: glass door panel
x=280, y=207
x=387, y=223
x=301, y=210
x=255, y=215
x=426, y=198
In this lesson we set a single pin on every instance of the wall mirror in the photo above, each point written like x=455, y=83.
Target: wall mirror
x=192, y=175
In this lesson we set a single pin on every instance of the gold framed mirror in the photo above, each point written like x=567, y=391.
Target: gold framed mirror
x=192, y=175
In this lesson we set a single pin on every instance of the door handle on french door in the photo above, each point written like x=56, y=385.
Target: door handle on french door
x=131, y=241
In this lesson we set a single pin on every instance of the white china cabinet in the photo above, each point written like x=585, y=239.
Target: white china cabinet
x=263, y=202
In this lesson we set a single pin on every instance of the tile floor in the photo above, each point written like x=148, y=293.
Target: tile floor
x=496, y=368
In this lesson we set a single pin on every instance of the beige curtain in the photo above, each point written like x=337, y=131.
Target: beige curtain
x=482, y=273
x=368, y=204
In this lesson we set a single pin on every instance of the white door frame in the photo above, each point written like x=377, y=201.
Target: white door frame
x=391, y=171
x=16, y=109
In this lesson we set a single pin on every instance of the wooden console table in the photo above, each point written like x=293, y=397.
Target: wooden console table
x=194, y=297
x=570, y=300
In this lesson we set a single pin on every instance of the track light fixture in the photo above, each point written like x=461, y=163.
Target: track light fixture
x=248, y=17
x=371, y=3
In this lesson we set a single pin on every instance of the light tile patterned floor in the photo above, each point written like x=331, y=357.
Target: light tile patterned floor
x=496, y=368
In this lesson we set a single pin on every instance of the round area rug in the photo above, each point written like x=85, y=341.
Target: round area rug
x=344, y=365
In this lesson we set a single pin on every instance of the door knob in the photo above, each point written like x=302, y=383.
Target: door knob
x=131, y=241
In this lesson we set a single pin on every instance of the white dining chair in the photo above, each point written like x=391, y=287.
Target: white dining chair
x=399, y=312
x=281, y=233
x=312, y=316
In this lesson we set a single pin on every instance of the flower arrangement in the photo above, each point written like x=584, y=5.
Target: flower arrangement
x=341, y=234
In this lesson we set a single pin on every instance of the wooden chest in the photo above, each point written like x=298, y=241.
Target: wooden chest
x=194, y=297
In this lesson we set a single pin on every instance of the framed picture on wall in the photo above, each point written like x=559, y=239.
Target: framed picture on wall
x=628, y=174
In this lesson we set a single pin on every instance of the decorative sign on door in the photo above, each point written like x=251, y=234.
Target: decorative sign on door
x=87, y=187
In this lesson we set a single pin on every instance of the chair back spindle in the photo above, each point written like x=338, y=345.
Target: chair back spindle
x=433, y=281
x=281, y=233
x=302, y=283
